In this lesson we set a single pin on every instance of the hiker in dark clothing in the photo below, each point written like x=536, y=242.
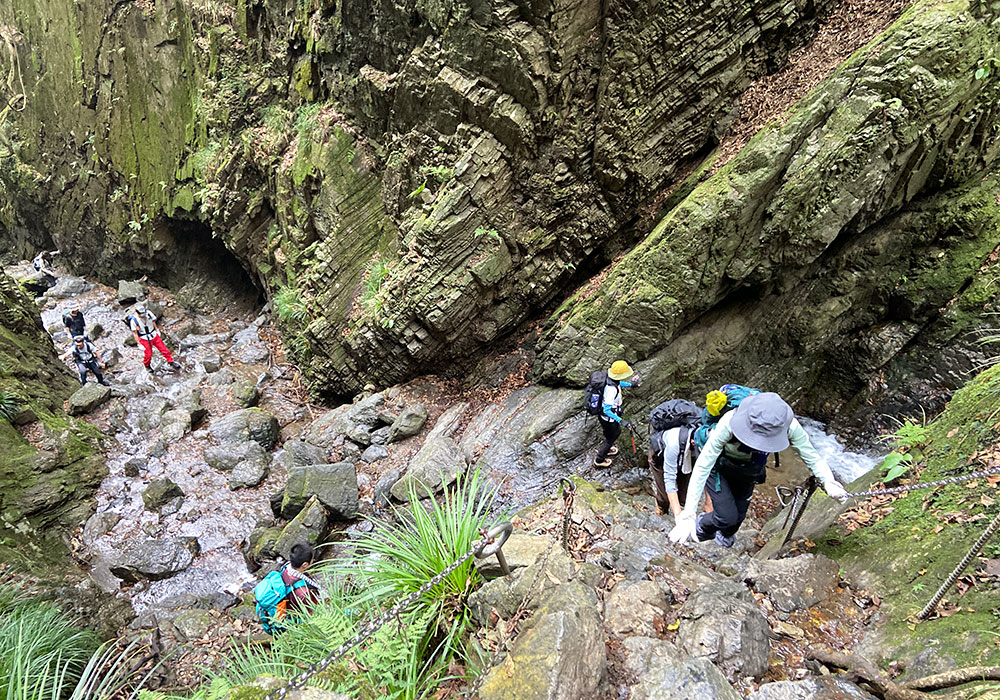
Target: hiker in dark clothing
x=74, y=321
x=87, y=358
x=611, y=411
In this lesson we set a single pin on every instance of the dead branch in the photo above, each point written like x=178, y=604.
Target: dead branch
x=861, y=669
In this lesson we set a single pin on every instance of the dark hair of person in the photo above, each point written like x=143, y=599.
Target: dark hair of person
x=302, y=553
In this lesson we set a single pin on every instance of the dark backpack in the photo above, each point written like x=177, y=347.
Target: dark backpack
x=593, y=395
x=673, y=414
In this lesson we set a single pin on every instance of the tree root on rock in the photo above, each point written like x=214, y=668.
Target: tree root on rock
x=862, y=670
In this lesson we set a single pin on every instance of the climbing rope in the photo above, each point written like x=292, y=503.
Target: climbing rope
x=567, y=520
x=480, y=548
x=950, y=581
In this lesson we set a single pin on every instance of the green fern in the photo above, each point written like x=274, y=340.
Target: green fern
x=9, y=406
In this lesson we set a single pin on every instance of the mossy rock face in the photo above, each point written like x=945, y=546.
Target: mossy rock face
x=43, y=492
x=413, y=211
x=906, y=554
x=868, y=207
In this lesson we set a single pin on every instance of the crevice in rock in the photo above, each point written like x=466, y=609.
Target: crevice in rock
x=201, y=271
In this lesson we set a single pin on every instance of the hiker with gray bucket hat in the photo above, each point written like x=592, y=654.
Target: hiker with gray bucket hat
x=733, y=462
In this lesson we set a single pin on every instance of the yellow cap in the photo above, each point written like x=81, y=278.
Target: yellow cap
x=715, y=402
x=620, y=370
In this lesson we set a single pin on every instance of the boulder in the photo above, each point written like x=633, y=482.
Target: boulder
x=366, y=410
x=374, y=453
x=98, y=524
x=665, y=673
x=211, y=363
x=134, y=465
x=360, y=433
x=383, y=486
x=296, y=453
x=334, y=485
x=159, y=493
x=175, y=424
x=720, y=622
x=87, y=398
x=95, y=331
x=408, y=423
x=631, y=606
x=434, y=467
x=246, y=424
x=192, y=624
x=559, y=656
x=226, y=457
x=36, y=282
x=147, y=412
x=112, y=357
x=521, y=550
x=794, y=583
x=248, y=473
x=66, y=287
x=245, y=392
x=128, y=292
x=811, y=689
x=156, y=559
x=311, y=525
x=380, y=436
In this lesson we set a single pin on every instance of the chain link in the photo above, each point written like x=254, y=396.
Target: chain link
x=926, y=484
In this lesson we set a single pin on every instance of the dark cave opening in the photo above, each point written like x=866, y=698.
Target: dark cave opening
x=203, y=273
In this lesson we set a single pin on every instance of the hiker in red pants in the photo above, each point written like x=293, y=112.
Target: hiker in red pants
x=147, y=334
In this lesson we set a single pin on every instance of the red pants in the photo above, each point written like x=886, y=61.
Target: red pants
x=148, y=345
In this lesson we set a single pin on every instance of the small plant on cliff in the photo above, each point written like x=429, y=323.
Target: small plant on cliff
x=441, y=173
x=289, y=306
x=491, y=232
x=9, y=405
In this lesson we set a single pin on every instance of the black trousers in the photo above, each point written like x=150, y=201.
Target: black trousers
x=612, y=430
x=730, y=494
x=82, y=368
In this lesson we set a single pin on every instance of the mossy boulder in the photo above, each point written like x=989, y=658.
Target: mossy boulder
x=159, y=493
x=246, y=424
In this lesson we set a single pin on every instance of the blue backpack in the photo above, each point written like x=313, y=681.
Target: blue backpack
x=735, y=393
x=272, y=594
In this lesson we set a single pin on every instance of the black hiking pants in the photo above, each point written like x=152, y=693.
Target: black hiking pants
x=82, y=368
x=612, y=430
x=730, y=493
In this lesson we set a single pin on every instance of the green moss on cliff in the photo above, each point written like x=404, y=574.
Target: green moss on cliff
x=905, y=555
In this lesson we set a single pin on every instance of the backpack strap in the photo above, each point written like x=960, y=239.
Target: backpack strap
x=682, y=446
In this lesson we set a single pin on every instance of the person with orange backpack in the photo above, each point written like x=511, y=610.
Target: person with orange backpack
x=289, y=590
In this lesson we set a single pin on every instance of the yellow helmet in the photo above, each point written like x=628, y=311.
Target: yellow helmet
x=620, y=370
x=715, y=402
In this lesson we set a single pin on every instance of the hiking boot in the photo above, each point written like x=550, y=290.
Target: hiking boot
x=602, y=462
x=175, y=365
x=724, y=540
x=105, y=382
x=699, y=531
x=149, y=368
x=613, y=451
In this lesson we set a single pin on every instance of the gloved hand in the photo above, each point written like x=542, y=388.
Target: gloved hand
x=626, y=424
x=835, y=490
x=684, y=529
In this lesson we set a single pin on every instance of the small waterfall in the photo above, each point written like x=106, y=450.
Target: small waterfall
x=847, y=466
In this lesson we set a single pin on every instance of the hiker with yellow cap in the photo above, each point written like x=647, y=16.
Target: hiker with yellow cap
x=606, y=391
x=733, y=462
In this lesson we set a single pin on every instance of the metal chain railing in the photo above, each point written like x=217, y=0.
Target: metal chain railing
x=927, y=484
x=950, y=581
x=567, y=519
x=479, y=549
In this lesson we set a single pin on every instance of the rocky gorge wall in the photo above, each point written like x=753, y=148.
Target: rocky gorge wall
x=45, y=484
x=863, y=227
x=409, y=181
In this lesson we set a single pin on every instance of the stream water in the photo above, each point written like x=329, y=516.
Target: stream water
x=220, y=518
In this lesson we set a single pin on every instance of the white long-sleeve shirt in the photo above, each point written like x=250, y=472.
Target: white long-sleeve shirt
x=723, y=433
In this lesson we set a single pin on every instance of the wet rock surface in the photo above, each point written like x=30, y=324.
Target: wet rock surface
x=156, y=559
x=333, y=485
x=795, y=583
x=87, y=398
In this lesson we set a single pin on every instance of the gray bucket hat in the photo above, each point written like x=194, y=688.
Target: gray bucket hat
x=761, y=422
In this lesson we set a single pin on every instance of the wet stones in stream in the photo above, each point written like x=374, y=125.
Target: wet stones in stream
x=159, y=493
x=246, y=424
x=811, y=689
x=155, y=559
x=663, y=671
x=794, y=583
